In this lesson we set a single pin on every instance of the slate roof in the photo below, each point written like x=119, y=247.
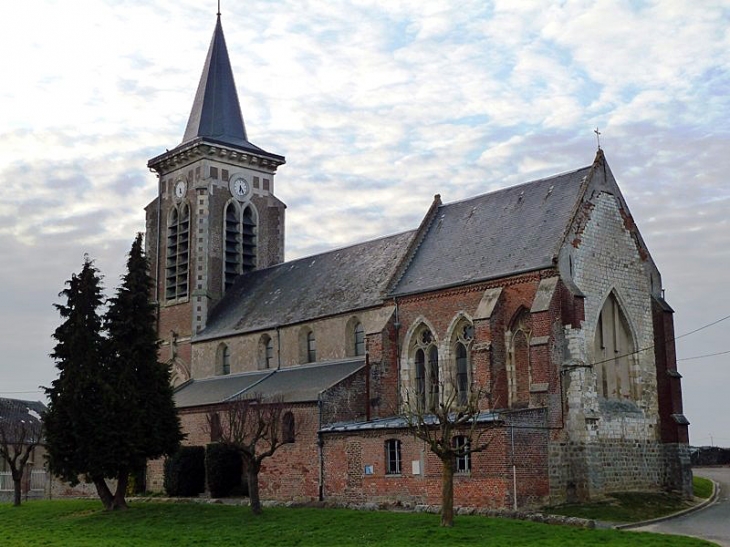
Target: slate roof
x=396, y=422
x=16, y=411
x=513, y=230
x=301, y=290
x=302, y=383
x=216, y=113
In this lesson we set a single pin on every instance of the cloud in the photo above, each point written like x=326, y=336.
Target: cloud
x=377, y=106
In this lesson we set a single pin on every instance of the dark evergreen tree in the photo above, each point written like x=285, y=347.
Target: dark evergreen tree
x=76, y=422
x=145, y=421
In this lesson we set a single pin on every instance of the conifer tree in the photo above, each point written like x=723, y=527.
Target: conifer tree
x=76, y=423
x=111, y=407
x=146, y=425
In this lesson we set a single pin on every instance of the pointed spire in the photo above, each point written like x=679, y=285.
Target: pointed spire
x=216, y=113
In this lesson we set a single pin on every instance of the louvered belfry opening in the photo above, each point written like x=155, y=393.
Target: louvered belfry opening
x=240, y=242
x=248, y=241
x=233, y=245
x=178, y=253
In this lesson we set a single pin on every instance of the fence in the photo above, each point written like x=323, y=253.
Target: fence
x=38, y=481
x=6, y=481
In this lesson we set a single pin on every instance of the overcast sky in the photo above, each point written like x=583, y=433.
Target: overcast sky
x=377, y=106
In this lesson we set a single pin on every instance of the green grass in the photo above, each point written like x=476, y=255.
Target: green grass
x=702, y=487
x=625, y=507
x=82, y=523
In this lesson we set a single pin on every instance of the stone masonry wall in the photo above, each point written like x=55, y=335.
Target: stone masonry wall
x=610, y=444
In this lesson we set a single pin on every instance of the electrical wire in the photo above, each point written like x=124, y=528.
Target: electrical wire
x=671, y=340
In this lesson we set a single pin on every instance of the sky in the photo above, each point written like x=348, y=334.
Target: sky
x=377, y=106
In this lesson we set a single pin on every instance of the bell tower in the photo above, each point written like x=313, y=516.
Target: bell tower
x=215, y=215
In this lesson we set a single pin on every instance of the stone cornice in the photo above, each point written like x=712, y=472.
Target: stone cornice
x=198, y=149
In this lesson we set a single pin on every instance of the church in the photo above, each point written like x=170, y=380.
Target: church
x=544, y=295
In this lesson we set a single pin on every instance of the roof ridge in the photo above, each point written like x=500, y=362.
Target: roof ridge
x=415, y=243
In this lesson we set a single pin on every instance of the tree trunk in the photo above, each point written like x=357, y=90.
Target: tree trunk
x=105, y=495
x=122, y=480
x=447, y=492
x=17, y=490
x=252, y=474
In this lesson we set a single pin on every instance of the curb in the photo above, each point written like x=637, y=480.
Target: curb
x=709, y=501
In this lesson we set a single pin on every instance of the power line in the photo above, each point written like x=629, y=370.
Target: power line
x=703, y=356
x=671, y=340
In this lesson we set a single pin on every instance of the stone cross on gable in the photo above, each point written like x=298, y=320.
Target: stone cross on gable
x=598, y=137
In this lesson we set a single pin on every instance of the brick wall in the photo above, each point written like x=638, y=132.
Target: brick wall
x=355, y=470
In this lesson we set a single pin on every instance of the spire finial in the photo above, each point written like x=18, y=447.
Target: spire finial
x=219, y=8
x=598, y=136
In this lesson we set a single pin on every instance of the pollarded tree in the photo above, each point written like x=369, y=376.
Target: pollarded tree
x=146, y=423
x=256, y=427
x=77, y=424
x=453, y=427
x=20, y=432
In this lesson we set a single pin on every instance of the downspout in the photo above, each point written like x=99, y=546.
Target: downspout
x=320, y=449
x=396, y=324
x=367, y=387
x=157, y=251
x=514, y=469
x=278, y=348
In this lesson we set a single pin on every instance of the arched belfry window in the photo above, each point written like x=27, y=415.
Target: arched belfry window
x=177, y=252
x=239, y=235
x=518, y=359
x=426, y=382
x=612, y=347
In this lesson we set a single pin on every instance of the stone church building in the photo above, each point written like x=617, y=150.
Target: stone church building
x=543, y=294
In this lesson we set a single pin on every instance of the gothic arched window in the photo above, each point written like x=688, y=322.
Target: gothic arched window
x=426, y=378
x=611, y=348
x=518, y=360
x=463, y=337
x=178, y=252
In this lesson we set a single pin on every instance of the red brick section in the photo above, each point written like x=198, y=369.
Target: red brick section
x=669, y=385
x=488, y=484
x=292, y=473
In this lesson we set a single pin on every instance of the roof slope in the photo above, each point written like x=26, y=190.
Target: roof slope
x=16, y=411
x=509, y=231
x=317, y=286
x=302, y=383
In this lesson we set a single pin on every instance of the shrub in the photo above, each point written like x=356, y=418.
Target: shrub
x=223, y=466
x=185, y=472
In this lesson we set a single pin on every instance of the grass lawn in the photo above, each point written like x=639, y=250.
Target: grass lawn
x=702, y=487
x=81, y=523
x=634, y=507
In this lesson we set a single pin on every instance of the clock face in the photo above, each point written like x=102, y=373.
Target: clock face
x=239, y=187
x=180, y=189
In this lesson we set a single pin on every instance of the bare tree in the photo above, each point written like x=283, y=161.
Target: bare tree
x=257, y=427
x=20, y=432
x=449, y=421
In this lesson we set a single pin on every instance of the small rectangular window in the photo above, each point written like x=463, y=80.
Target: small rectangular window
x=392, y=457
x=463, y=459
